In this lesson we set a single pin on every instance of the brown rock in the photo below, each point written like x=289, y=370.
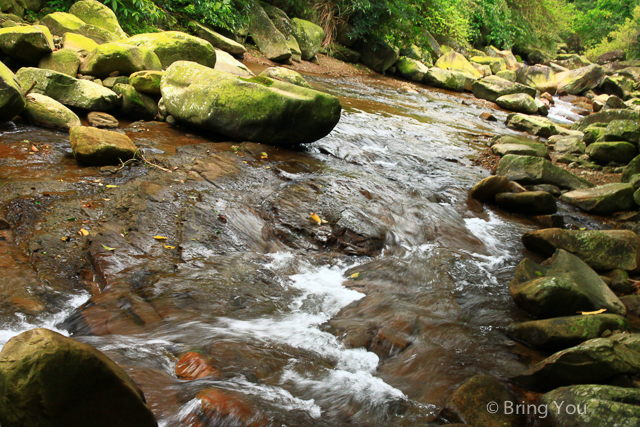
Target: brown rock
x=102, y=120
x=488, y=116
x=488, y=188
x=99, y=147
x=222, y=405
x=192, y=366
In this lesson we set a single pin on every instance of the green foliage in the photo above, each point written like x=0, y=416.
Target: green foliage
x=595, y=19
x=625, y=38
x=227, y=14
x=136, y=16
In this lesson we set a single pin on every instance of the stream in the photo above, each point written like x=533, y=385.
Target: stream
x=372, y=318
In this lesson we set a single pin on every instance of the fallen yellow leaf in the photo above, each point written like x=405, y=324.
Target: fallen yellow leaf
x=83, y=232
x=316, y=218
x=111, y=186
x=108, y=248
x=160, y=237
x=169, y=247
x=586, y=313
x=355, y=275
x=64, y=239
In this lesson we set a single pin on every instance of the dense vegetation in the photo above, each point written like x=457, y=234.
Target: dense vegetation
x=590, y=26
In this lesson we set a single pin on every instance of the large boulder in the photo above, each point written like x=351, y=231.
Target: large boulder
x=592, y=362
x=496, y=64
x=530, y=170
x=593, y=406
x=286, y=75
x=633, y=168
x=95, y=13
x=257, y=109
x=601, y=249
x=538, y=77
x=123, y=58
x=411, y=69
x=172, y=46
x=528, y=203
x=60, y=23
x=520, y=102
x=309, y=37
x=377, y=54
x=487, y=189
x=147, y=81
x=227, y=63
x=136, y=105
x=522, y=148
x=563, y=286
x=493, y=87
x=580, y=80
x=46, y=111
x=468, y=404
x=612, y=151
x=218, y=41
x=26, y=43
x=564, y=332
x=342, y=53
x=47, y=379
x=603, y=199
x=12, y=100
x=265, y=35
x=99, y=147
x=457, y=81
x=283, y=23
x=533, y=125
x=569, y=145
x=622, y=130
x=79, y=43
x=614, y=55
x=454, y=61
x=620, y=86
x=605, y=117
x=65, y=61
x=68, y=90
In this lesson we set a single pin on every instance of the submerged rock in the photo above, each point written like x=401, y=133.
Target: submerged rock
x=26, y=43
x=593, y=406
x=12, y=100
x=592, y=362
x=47, y=379
x=43, y=110
x=603, y=199
x=98, y=147
x=528, y=203
x=68, y=90
x=564, y=332
x=172, y=46
x=125, y=59
x=257, y=109
x=529, y=170
x=564, y=286
x=601, y=249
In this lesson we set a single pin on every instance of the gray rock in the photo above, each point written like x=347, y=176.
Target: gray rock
x=605, y=117
x=266, y=36
x=604, y=199
x=538, y=126
x=529, y=170
x=622, y=130
x=613, y=151
x=519, y=102
x=528, y=203
x=491, y=88
x=569, y=145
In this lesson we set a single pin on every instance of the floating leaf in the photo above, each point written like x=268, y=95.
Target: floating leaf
x=316, y=218
x=587, y=313
x=160, y=237
x=355, y=275
x=111, y=186
x=83, y=232
x=108, y=248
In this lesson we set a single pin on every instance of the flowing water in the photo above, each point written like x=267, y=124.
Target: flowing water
x=375, y=328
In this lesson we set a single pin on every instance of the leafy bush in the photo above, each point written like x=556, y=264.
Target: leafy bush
x=626, y=37
x=225, y=14
x=596, y=19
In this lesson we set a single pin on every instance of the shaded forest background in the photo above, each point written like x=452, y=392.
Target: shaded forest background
x=586, y=26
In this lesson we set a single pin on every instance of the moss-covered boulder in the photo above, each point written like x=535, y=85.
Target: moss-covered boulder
x=69, y=91
x=172, y=46
x=47, y=379
x=569, y=145
x=95, y=13
x=532, y=149
x=265, y=35
x=632, y=169
x=520, y=102
x=507, y=75
x=564, y=286
x=453, y=61
x=343, y=53
x=258, y=109
x=286, y=75
x=110, y=82
x=309, y=37
x=533, y=125
x=218, y=41
x=493, y=87
x=283, y=24
x=600, y=405
x=529, y=170
x=146, y=81
x=564, y=332
x=26, y=43
x=60, y=23
x=227, y=63
x=42, y=110
x=622, y=130
x=79, y=43
x=496, y=64
x=16, y=8
x=538, y=77
x=528, y=203
x=612, y=151
x=136, y=105
x=65, y=61
x=601, y=249
x=468, y=404
x=12, y=100
x=99, y=147
x=377, y=54
x=411, y=69
x=487, y=189
x=594, y=132
x=620, y=86
x=578, y=81
x=451, y=80
x=603, y=118
x=592, y=362
x=603, y=199
x=123, y=58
